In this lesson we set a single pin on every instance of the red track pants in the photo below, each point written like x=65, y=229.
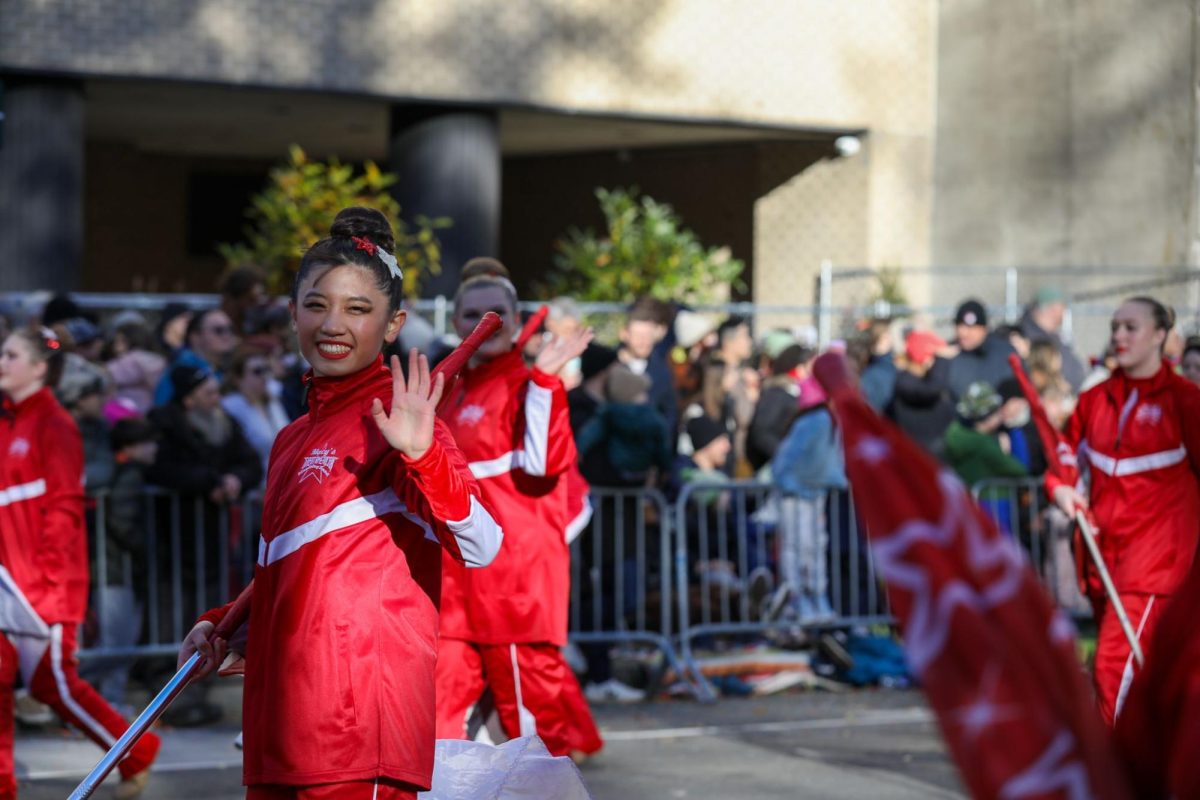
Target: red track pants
x=526, y=682
x=1115, y=665
x=380, y=789
x=48, y=668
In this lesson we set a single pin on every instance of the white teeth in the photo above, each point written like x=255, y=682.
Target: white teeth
x=334, y=349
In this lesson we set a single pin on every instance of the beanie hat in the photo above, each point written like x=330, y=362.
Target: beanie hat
x=185, y=380
x=920, y=345
x=81, y=330
x=703, y=431
x=131, y=430
x=971, y=312
x=691, y=328
x=595, y=359
x=811, y=393
x=979, y=402
x=623, y=386
x=775, y=342
x=80, y=378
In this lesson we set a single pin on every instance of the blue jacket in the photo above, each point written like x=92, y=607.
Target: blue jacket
x=184, y=358
x=810, y=462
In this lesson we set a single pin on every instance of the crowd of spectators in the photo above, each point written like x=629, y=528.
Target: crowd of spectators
x=192, y=401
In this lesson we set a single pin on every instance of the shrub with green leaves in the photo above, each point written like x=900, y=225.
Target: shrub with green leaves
x=645, y=250
x=298, y=204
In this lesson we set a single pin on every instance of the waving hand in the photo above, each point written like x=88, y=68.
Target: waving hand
x=408, y=426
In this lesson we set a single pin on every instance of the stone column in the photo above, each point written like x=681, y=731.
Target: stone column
x=41, y=185
x=448, y=162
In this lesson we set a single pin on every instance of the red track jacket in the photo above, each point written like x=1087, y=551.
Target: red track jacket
x=43, y=541
x=344, y=619
x=1140, y=440
x=513, y=426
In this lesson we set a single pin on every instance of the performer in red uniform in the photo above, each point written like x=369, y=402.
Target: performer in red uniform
x=1138, y=433
x=43, y=546
x=505, y=625
x=363, y=494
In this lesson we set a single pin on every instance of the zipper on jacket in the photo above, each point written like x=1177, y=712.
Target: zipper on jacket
x=1126, y=410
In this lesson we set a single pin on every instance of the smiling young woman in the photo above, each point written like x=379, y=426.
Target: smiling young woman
x=1140, y=434
x=44, y=549
x=363, y=493
x=504, y=625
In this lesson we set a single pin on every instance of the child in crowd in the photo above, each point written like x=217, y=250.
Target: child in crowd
x=807, y=465
x=632, y=433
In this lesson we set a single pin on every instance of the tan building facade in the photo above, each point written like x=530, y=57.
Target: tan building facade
x=727, y=110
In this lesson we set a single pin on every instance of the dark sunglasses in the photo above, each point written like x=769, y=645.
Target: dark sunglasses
x=260, y=371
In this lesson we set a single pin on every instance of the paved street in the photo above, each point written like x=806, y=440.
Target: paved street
x=880, y=745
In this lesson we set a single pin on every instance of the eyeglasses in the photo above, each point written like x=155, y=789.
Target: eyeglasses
x=260, y=371
x=221, y=330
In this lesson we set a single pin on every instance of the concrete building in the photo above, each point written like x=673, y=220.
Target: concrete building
x=990, y=135
x=160, y=117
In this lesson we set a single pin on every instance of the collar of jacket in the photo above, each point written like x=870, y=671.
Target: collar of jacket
x=42, y=397
x=497, y=366
x=1120, y=384
x=329, y=395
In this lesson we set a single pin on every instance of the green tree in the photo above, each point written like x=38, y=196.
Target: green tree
x=644, y=250
x=298, y=204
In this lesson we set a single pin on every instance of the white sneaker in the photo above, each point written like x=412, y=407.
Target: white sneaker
x=613, y=691
x=238, y=741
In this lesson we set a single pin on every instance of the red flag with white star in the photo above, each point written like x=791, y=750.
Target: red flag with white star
x=995, y=657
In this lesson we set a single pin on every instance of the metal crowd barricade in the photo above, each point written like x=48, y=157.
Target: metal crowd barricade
x=181, y=556
x=727, y=536
x=621, y=582
x=1020, y=509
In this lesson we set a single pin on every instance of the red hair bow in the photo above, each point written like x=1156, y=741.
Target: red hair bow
x=364, y=244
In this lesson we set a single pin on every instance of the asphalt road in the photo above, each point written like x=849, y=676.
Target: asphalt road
x=880, y=745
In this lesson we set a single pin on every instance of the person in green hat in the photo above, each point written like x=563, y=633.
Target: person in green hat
x=973, y=448
x=1043, y=322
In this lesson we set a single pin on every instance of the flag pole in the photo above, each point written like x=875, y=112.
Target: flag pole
x=1089, y=538
x=239, y=612
x=1051, y=439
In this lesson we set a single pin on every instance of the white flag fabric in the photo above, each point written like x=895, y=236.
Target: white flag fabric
x=16, y=614
x=519, y=769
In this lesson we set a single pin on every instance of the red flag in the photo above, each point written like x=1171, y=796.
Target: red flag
x=532, y=325
x=1062, y=464
x=1060, y=456
x=996, y=658
x=1158, y=731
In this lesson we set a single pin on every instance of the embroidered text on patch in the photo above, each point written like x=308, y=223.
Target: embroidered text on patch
x=1148, y=414
x=470, y=415
x=319, y=464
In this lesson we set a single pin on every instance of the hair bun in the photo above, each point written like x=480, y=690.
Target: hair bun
x=483, y=267
x=366, y=223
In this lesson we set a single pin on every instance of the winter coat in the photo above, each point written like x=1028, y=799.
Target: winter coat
x=922, y=408
x=809, y=462
x=344, y=619
x=987, y=363
x=772, y=417
x=1140, y=440
x=1072, y=368
x=513, y=426
x=135, y=376
x=977, y=456
x=260, y=425
x=879, y=381
x=43, y=541
x=633, y=437
x=191, y=465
